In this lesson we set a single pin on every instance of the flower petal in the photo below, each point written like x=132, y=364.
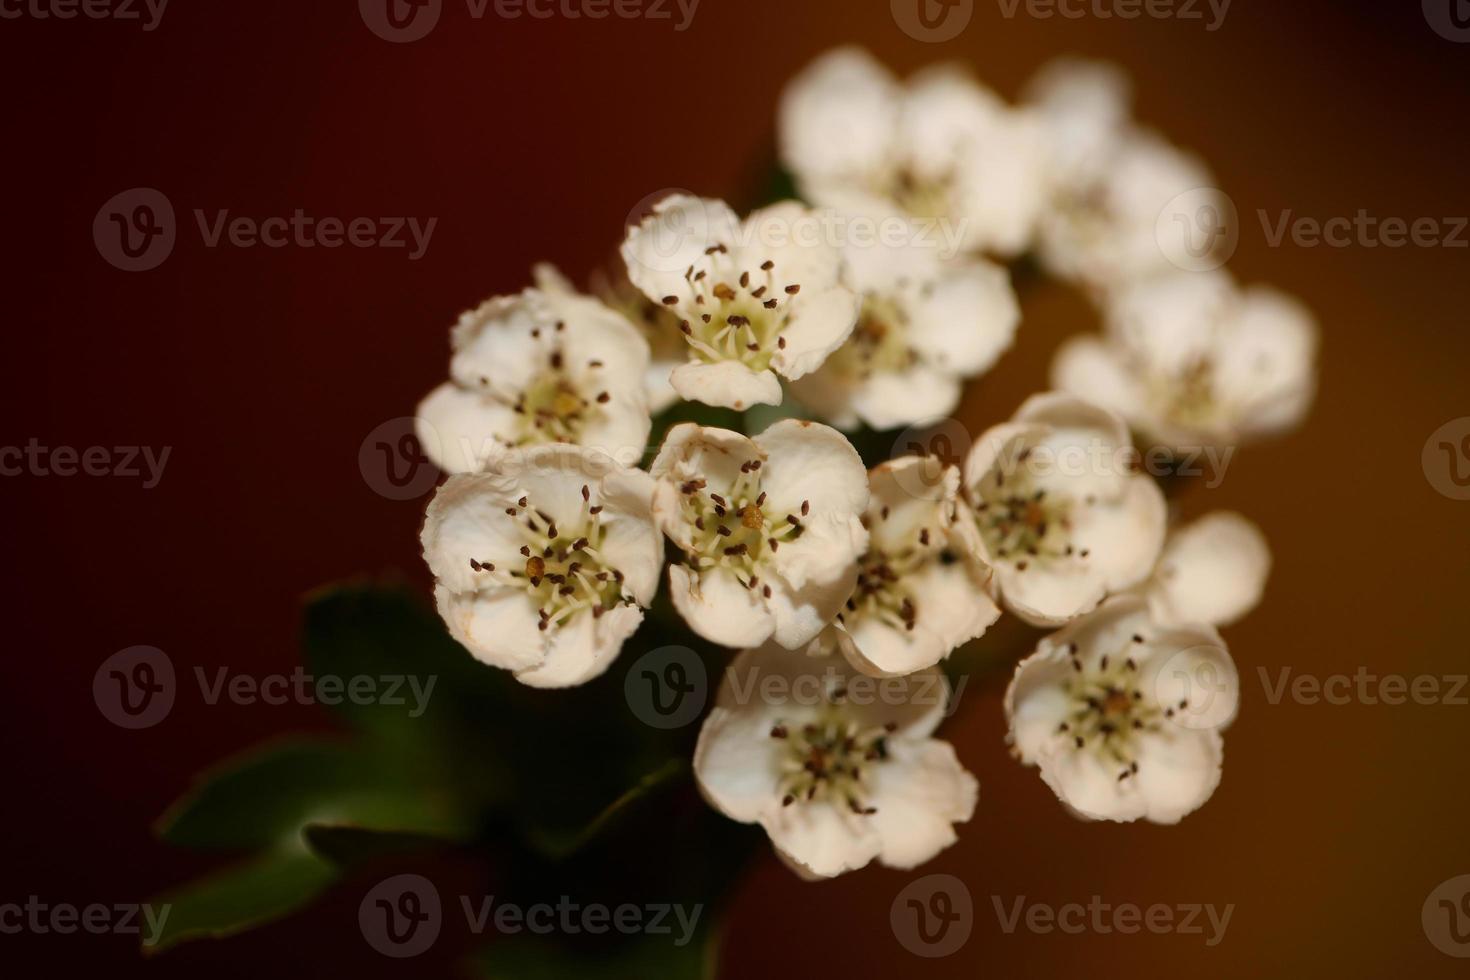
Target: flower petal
x=719, y=608
x=460, y=430
x=818, y=324
x=499, y=628
x=1124, y=539
x=1212, y=571
x=920, y=793
x=660, y=250
x=726, y=384
x=583, y=649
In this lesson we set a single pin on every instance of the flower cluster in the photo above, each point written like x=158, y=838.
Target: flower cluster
x=850, y=312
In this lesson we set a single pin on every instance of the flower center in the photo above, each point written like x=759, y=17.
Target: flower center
x=826, y=759
x=564, y=569
x=1189, y=397
x=922, y=197
x=1109, y=709
x=736, y=529
x=879, y=342
x=737, y=315
x=882, y=589
x=554, y=407
x=1020, y=522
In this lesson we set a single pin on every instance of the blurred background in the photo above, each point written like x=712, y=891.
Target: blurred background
x=265, y=372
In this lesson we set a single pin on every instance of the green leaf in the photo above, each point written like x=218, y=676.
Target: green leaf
x=266, y=797
x=266, y=889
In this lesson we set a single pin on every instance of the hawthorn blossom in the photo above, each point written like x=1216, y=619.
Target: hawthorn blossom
x=941, y=147
x=1193, y=361
x=1123, y=715
x=920, y=592
x=1212, y=571
x=770, y=526
x=926, y=325
x=658, y=324
x=1123, y=202
x=544, y=561
x=757, y=301
x=839, y=771
x=537, y=368
x=1057, y=510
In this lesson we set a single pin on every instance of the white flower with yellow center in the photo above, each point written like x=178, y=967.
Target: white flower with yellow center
x=838, y=769
x=771, y=529
x=1123, y=715
x=1123, y=203
x=757, y=301
x=1212, y=571
x=544, y=561
x=926, y=325
x=538, y=368
x=1057, y=510
x=1194, y=362
x=920, y=593
x=940, y=147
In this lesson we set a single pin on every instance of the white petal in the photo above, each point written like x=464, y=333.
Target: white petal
x=719, y=608
x=802, y=614
x=839, y=116
x=818, y=324
x=823, y=840
x=658, y=251
x=726, y=384
x=1003, y=184
x=631, y=543
x=1212, y=571
x=1171, y=321
x=460, y=430
x=895, y=399
x=582, y=649
x=494, y=349
x=466, y=520
x=1037, y=703
x=1269, y=357
x=737, y=762
x=796, y=240
x=1091, y=786
x=1051, y=593
x=499, y=628
x=1123, y=539
x=967, y=320
x=812, y=463
x=1178, y=771
x=1089, y=368
x=920, y=792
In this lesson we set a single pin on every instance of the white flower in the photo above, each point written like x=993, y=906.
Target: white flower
x=1118, y=191
x=1212, y=571
x=838, y=771
x=940, y=147
x=1058, y=512
x=538, y=368
x=1123, y=715
x=920, y=592
x=925, y=326
x=757, y=301
x=544, y=561
x=1191, y=361
x=771, y=529
x=658, y=324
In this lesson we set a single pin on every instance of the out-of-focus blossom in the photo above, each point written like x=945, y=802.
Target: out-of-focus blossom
x=1193, y=361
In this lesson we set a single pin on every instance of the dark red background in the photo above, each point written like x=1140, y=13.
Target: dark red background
x=264, y=370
